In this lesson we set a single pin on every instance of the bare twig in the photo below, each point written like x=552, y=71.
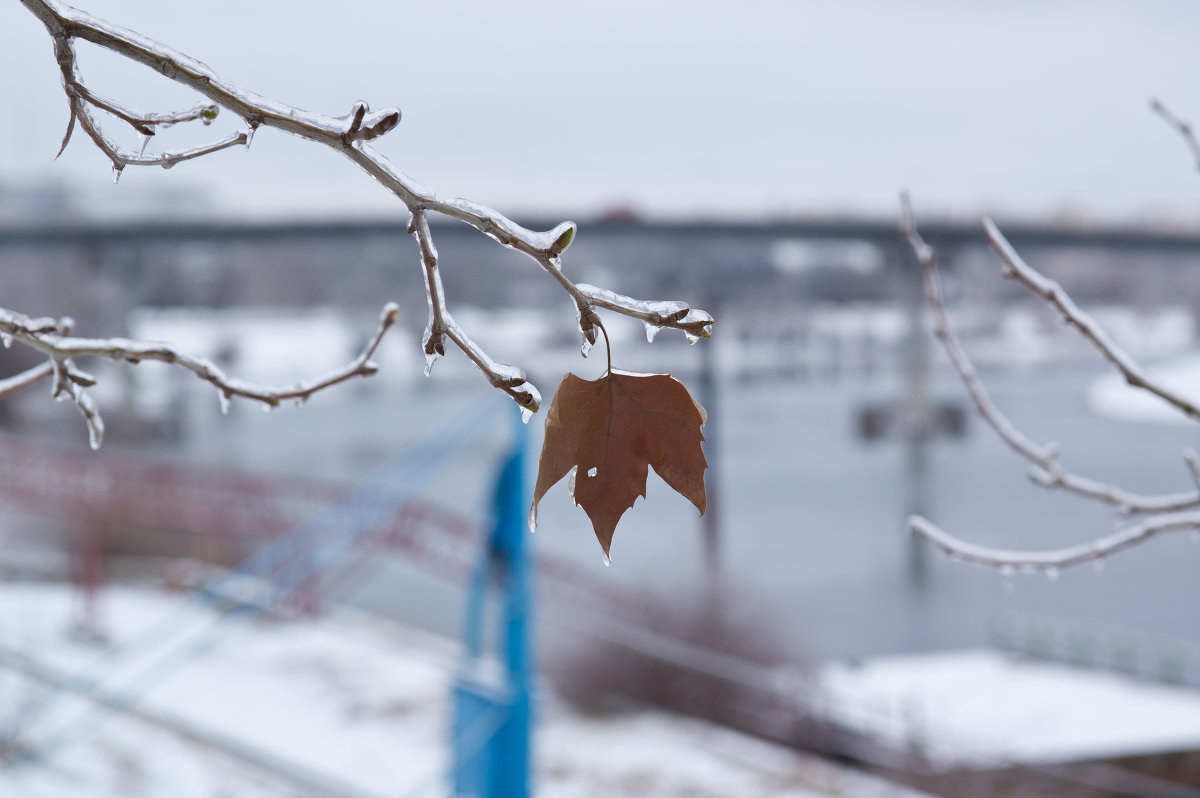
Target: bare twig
x=348, y=135
x=144, y=123
x=28, y=377
x=46, y=336
x=1054, y=295
x=1185, y=129
x=1047, y=471
x=1054, y=560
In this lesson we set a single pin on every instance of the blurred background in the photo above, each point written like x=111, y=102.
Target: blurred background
x=745, y=160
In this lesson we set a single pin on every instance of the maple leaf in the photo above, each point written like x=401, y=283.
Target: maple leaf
x=608, y=431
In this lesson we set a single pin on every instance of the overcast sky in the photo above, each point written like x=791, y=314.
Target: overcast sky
x=746, y=109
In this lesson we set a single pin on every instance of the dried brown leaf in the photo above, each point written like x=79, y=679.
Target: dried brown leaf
x=608, y=431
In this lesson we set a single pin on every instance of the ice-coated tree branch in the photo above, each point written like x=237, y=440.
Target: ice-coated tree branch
x=1167, y=512
x=1047, y=471
x=1053, y=294
x=348, y=135
x=1054, y=560
x=53, y=340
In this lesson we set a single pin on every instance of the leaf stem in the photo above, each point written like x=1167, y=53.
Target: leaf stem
x=607, y=344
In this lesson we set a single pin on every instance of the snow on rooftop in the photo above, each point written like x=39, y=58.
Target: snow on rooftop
x=346, y=705
x=984, y=706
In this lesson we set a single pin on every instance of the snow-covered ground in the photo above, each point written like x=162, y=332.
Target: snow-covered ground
x=346, y=705
x=986, y=707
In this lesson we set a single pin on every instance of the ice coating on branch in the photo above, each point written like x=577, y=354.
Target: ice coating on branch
x=430, y=359
x=669, y=313
x=95, y=432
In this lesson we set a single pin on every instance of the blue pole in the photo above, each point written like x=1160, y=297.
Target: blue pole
x=492, y=722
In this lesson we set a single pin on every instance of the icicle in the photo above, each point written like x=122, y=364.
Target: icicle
x=533, y=519
x=143, y=139
x=95, y=434
x=267, y=407
x=691, y=337
x=430, y=359
x=250, y=135
x=651, y=331
x=526, y=414
x=226, y=400
x=1052, y=573
x=1098, y=565
x=6, y=339
x=607, y=560
x=300, y=400
x=1008, y=572
x=586, y=347
x=117, y=173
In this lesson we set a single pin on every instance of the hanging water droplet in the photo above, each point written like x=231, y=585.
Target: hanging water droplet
x=267, y=407
x=651, y=331
x=1007, y=572
x=1052, y=573
x=226, y=399
x=430, y=359
x=526, y=414
x=607, y=561
x=1098, y=565
x=6, y=339
x=300, y=400
x=117, y=173
x=586, y=347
